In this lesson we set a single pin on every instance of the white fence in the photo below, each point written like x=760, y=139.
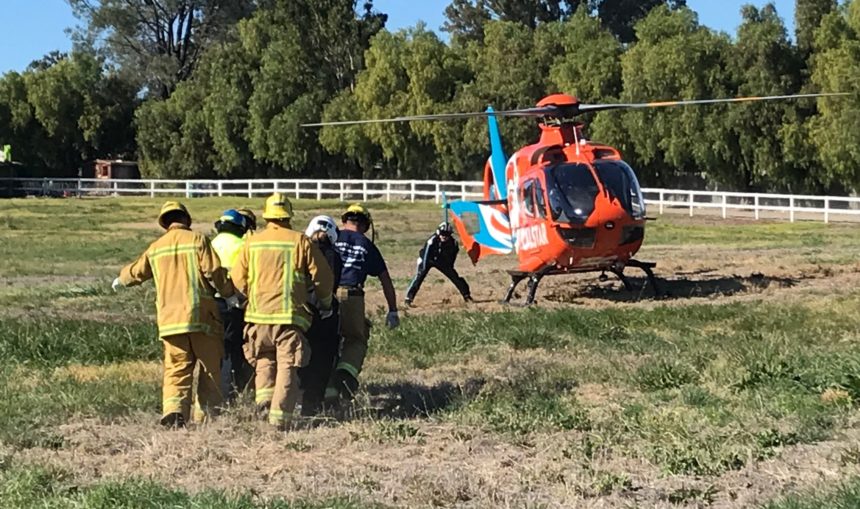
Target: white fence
x=724, y=204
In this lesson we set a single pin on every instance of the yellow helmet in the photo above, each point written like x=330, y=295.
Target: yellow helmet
x=278, y=207
x=167, y=208
x=357, y=210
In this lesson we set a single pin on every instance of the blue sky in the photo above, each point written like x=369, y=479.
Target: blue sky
x=32, y=28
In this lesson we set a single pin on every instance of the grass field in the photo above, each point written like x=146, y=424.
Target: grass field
x=740, y=389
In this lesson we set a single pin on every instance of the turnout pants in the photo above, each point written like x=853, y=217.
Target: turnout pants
x=355, y=329
x=181, y=353
x=276, y=352
x=449, y=271
x=235, y=370
x=324, y=340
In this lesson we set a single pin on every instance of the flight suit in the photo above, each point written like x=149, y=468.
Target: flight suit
x=441, y=255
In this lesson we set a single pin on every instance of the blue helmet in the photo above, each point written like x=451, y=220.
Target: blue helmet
x=232, y=216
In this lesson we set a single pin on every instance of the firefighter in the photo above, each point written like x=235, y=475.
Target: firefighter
x=360, y=258
x=187, y=274
x=324, y=335
x=440, y=253
x=235, y=370
x=276, y=268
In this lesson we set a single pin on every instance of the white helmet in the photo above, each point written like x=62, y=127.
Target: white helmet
x=323, y=224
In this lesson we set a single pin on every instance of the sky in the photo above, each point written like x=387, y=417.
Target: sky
x=33, y=28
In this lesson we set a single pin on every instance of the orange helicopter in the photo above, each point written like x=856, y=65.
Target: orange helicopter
x=564, y=204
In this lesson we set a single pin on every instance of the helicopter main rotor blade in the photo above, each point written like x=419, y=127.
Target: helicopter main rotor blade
x=586, y=108
x=525, y=112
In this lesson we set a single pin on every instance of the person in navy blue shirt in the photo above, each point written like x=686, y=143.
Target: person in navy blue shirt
x=361, y=258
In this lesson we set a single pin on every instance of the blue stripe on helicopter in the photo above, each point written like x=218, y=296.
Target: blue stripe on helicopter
x=498, y=161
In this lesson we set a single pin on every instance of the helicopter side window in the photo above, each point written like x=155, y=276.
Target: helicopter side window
x=540, y=200
x=621, y=184
x=528, y=198
x=572, y=190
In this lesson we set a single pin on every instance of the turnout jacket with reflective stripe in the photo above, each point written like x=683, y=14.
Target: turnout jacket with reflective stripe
x=276, y=268
x=187, y=273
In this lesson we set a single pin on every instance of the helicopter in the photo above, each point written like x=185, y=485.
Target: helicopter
x=564, y=204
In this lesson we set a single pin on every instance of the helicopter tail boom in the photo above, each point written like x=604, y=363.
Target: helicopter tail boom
x=490, y=229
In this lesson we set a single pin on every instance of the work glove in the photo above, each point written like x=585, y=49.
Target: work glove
x=392, y=320
x=233, y=301
x=116, y=285
x=325, y=314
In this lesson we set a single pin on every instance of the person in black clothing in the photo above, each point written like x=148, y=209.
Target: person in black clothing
x=439, y=252
x=324, y=333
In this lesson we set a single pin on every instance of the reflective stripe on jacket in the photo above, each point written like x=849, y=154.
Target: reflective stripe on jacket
x=275, y=269
x=227, y=246
x=186, y=272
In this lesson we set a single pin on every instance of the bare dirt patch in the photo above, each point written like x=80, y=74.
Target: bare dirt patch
x=690, y=274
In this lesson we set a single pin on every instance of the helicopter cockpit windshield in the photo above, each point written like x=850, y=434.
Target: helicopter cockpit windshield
x=571, y=189
x=621, y=184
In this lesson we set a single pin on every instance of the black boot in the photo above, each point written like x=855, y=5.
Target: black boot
x=173, y=421
x=345, y=384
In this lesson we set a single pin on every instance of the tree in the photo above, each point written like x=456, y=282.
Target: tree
x=240, y=113
x=410, y=72
x=835, y=130
x=808, y=15
x=333, y=35
x=674, y=58
x=157, y=43
x=765, y=63
x=620, y=16
x=466, y=18
x=18, y=124
x=64, y=111
x=585, y=59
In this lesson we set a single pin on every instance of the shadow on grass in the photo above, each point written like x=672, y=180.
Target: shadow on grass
x=674, y=289
x=406, y=400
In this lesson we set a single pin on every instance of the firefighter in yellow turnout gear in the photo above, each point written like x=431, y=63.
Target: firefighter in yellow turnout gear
x=276, y=267
x=187, y=273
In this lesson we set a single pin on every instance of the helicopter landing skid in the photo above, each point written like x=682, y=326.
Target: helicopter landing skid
x=534, y=279
x=647, y=268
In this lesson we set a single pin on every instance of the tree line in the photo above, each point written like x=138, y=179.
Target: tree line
x=219, y=88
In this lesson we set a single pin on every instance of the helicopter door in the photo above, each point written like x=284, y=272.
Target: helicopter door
x=531, y=233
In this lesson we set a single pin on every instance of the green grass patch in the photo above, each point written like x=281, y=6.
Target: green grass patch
x=34, y=402
x=25, y=488
x=701, y=390
x=540, y=398
x=52, y=341
x=752, y=234
x=846, y=496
